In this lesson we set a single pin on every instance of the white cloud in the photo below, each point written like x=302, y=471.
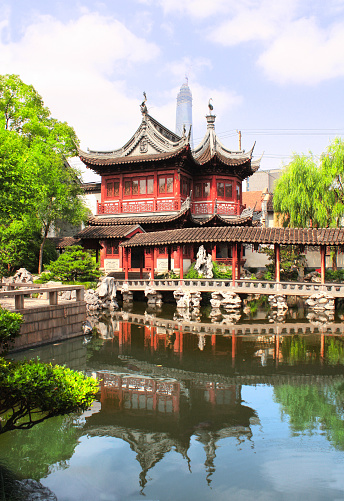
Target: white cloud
x=198, y=8
x=304, y=53
x=188, y=66
x=299, y=43
x=257, y=21
x=78, y=67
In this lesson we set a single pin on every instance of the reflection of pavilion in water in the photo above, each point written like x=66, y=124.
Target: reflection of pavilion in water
x=156, y=415
x=127, y=338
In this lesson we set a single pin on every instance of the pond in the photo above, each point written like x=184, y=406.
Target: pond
x=246, y=412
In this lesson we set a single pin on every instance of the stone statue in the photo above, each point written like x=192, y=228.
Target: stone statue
x=204, y=264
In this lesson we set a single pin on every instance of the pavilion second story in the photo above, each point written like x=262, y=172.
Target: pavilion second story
x=156, y=172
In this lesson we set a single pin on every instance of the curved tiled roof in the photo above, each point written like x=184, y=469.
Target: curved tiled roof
x=107, y=231
x=245, y=217
x=217, y=219
x=63, y=242
x=136, y=219
x=286, y=236
x=211, y=149
x=107, y=159
x=153, y=142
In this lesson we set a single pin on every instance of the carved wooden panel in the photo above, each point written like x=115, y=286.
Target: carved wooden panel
x=202, y=207
x=226, y=208
x=108, y=208
x=138, y=206
x=165, y=204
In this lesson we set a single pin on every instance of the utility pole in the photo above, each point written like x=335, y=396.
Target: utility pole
x=239, y=132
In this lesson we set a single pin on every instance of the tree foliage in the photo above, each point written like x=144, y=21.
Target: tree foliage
x=291, y=262
x=31, y=392
x=74, y=264
x=38, y=188
x=10, y=323
x=313, y=408
x=311, y=193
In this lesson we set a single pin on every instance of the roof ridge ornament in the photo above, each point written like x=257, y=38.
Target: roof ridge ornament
x=210, y=106
x=143, y=106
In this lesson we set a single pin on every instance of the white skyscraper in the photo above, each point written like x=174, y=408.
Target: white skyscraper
x=184, y=111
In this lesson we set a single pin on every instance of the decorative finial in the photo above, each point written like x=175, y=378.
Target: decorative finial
x=143, y=106
x=210, y=106
x=184, y=131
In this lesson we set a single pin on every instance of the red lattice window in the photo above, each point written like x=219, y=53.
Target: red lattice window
x=224, y=190
x=112, y=189
x=202, y=190
x=111, y=248
x=165, y=184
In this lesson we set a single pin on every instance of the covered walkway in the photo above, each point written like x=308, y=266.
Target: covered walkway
x=234, y=237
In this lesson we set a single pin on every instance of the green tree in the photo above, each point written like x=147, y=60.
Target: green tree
x=38, y=188
x=32, y=392
x=294, y=194
x=10, y=323
x=74, y=264
x=311, y=193
x=291, y=262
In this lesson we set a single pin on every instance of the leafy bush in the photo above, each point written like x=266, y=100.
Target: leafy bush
x=334, y=275
x=192, y=273
x=10, y=323
x=74, y=264
x=291, y=260
x=222, y=271
x=32, y=392
x=44, y=278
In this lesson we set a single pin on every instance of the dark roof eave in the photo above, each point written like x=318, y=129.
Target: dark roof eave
x=283, y=236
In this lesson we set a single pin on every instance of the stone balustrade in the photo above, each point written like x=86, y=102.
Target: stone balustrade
x=242, y=286
x=26, y=290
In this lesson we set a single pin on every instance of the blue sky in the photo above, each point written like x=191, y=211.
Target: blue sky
x=275, y=70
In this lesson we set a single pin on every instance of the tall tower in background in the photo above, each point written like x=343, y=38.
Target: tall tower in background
x=184, y=111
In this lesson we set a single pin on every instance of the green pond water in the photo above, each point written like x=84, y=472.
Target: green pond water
x=194, y=416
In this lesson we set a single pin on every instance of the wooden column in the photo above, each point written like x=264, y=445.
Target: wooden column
x=177, y=190
x=213, y=253
x=213, y=192
x=120, y=198
x=126, y=266
x=169, y=250
x=233, y=347
x=141, y=263
x=180, y=248
x=156, y=190
x=155, y=261
x=234, y=262
x=238, y=260
x=322, y=348
x=323, y=262
x=278, y=262
x=277, y=350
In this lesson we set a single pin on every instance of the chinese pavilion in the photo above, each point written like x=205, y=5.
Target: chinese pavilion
x=157, y=182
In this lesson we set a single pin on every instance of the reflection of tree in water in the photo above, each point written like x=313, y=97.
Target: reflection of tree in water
x=334, y=351
x=313, y=407
x=38, y=460
x=296, y=349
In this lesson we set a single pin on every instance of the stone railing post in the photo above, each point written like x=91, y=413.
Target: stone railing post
x=19, y=301
x=52, y=298
x=80, y=294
